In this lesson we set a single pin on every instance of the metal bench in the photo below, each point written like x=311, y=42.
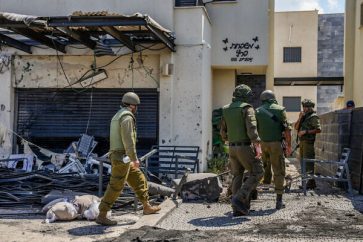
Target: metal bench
x=342, y=173
x=173, y=160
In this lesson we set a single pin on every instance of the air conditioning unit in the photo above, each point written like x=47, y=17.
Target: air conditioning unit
x=167, y=70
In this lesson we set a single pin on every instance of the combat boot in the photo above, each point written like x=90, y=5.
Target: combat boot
x=103, y=220
x=279, y=203
x=148, y=209
x=254, y=195
x=311, y=185
x=241, y=206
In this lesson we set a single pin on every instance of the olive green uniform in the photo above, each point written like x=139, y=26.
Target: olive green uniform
x=310, y=121
x=271, y=122
x=123, y=142
x=239, y=127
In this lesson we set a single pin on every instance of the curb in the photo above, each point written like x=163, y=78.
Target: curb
x=152, y=220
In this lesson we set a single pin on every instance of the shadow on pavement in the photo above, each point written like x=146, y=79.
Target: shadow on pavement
x=223, y=221
x=94, y=229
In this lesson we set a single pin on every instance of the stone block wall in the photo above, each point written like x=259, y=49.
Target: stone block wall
x=342, y=129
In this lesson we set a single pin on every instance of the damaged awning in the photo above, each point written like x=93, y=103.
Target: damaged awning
x=94, y=30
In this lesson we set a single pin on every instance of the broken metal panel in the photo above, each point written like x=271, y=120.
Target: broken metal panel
x=83, y=37
x=15, y=43
x=51, y=43
x=124, y=39
x=94, y=21
x=159, y=35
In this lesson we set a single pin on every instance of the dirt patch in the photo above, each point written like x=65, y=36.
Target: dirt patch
x=315, y=222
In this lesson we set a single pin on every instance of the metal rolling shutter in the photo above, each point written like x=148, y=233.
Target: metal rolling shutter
x=52, y=118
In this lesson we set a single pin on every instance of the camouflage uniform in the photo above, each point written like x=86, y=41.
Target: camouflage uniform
x=122, y=142
x=309, y=121
x=239, y=128
x=270, y=132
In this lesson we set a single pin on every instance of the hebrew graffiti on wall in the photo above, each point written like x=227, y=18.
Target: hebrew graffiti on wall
x=241, y=51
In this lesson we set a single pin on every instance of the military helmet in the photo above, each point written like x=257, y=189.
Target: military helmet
x=307, y=103
x=267, y=95
x=242, y=91
x=131, y=98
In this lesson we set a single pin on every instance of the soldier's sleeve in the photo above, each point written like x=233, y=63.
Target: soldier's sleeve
x=128, y=136
x=223, y=130
x=315, y=123
x=285, y=122
x=251, y=124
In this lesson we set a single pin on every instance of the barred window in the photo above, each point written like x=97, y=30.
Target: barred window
x=292, y=104
x=292, y=54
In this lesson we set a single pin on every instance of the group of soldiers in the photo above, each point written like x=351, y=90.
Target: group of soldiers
x=260, y=140
x=253, y=137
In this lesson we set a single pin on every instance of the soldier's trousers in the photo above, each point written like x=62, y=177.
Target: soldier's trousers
x=120, y=174
x=307, y=151
x=272, y=154
x=241, y=158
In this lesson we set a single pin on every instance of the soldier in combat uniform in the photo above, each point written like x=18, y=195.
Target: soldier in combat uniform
x=239, y=128
x=272, y=127
x=125, y=164
x=307, y=126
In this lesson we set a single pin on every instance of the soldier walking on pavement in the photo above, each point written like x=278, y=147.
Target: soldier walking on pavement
x=272, y=126
x=307, y=126
x=239, y=128
x=125, y=164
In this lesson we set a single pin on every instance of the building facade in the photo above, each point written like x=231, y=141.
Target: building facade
x=353, y=48
x=46, y=99
x=308, y=60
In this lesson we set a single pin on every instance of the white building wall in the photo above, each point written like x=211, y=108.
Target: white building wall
x=223, y=87
x=239, y=23
x=6, y=111
x=45, y=71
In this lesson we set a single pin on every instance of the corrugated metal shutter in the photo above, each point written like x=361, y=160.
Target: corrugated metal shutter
x=52, y=118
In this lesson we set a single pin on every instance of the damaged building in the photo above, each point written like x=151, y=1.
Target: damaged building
x=65, y=66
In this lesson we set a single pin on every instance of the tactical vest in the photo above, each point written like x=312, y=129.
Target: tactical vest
x=236, y=124
x=115, y=130
x=306, y=125
x=268, y=129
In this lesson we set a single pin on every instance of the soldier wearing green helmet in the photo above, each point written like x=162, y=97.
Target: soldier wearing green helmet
x=125, y=164
x=273, y=127
x=307, y=126
x=239, y=128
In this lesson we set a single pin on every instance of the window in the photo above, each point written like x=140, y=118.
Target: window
x=292, y=104
x=361, y=14
x=292, y=54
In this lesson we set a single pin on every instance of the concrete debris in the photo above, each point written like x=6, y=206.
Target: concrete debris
x=157, y=189
x=201, y=186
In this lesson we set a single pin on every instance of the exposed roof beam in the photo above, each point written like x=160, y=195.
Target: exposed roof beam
x=124, y=39
x=82, y=37
x=160, y=35
x=15, y=43
x=31, y=34
x=94, y=21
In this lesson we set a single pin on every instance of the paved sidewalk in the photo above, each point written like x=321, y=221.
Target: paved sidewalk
x=324, y=214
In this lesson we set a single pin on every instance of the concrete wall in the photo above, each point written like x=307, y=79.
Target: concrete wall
x=353, y=53
x=6, y=107
x=223, y=87
x=296, y=29
x=327, y=98
x=45, y=71
x=235, y=25
x=192, y=85
x=309, y=92
x=160, y=10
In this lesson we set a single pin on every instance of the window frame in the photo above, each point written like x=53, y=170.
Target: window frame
x=287, y=107
x=293, y=59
